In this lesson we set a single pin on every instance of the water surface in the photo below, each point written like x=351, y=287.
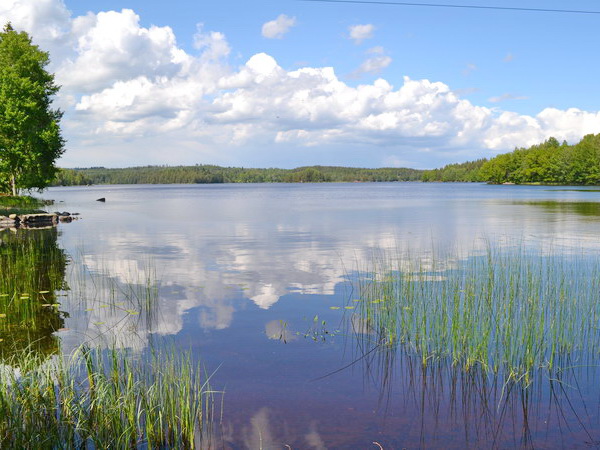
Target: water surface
x=248, y=275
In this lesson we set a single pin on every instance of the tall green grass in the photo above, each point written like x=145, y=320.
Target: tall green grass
x=505, y=312
x=103, y=400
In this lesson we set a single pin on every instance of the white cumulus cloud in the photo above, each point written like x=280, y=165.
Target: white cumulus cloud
x=49, y=22
x=276, y=29
x=113, y=46
x=213, y=43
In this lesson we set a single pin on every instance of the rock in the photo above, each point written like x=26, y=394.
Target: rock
x=101, y=199
x=37, y=216
x=6, y=223
x=41, y=220
x=38, y=220
x=36, y=226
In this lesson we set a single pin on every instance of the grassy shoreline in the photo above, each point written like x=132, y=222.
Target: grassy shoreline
x=24, y=204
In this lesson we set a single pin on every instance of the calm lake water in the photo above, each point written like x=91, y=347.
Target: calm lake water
x=244, y=269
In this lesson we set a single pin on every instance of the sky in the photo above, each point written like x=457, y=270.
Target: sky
x=289, y=83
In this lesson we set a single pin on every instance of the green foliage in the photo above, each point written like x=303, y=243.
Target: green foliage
x=23, y=201
x=21, y=205
x=30, y=139
x=465, y=172
x=308, y=175
x=217, y=174
x=70, y=177
x=547, y=163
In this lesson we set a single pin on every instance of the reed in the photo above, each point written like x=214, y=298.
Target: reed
x=103, y=400
x=505, y=312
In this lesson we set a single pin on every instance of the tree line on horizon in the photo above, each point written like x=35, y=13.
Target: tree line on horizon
x=547, y=163
x=206, y=174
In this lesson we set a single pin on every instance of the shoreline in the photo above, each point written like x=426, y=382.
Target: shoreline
x=35, y=220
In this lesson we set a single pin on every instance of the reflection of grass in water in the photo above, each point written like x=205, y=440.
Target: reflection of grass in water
x=118, y=311
x=107, y=400
x=32, y=268
x=573, y=190
x=590, y=209
x=34, y=295
x=491, y=412
x=91, y=399
x=505, y=313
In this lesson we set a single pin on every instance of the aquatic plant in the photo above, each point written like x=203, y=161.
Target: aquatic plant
x=505, y=312
x=103, y=400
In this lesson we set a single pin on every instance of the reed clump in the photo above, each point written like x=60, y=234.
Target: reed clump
x=505, y=312
x=95, y=399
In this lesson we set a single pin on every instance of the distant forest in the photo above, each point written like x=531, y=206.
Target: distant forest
x=467, y=172
x=548, y=163
x=216, y=174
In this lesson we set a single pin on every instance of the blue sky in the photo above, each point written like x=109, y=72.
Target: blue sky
x=205, y=82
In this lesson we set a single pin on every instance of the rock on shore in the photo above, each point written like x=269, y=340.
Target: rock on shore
x=38, y=220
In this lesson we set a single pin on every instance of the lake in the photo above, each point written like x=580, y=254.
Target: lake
x=259, y=283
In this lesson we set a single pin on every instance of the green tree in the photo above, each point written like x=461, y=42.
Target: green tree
x=30, y=138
